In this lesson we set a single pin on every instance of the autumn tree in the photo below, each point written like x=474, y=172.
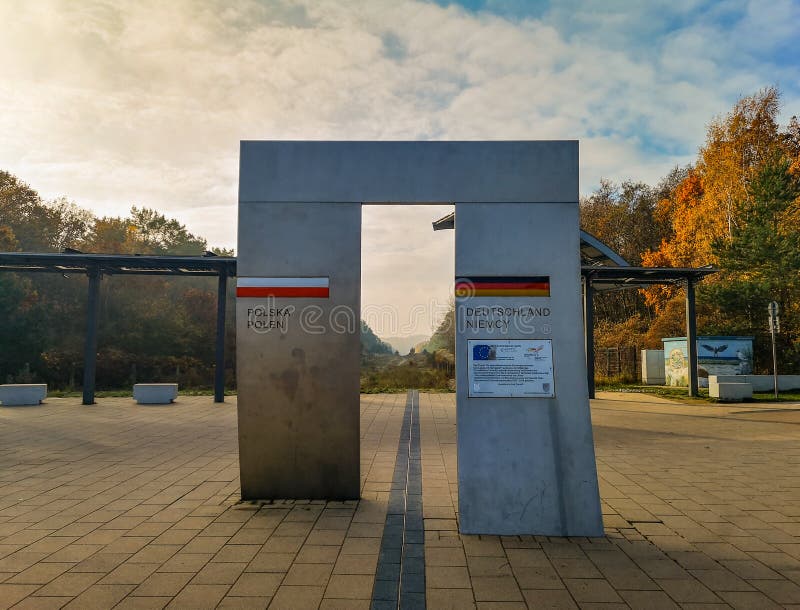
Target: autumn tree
x=708, y=204
x=761, y=261
x=154, y=328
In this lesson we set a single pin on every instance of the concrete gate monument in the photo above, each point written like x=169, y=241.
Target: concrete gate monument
x=525, y=450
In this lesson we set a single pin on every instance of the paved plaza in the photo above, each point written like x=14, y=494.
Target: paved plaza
x=126, y=506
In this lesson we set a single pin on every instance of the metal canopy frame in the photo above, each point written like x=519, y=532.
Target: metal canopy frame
x=94, y=266
x=609, y=278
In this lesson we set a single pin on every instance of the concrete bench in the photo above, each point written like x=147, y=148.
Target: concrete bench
x=730, y=391
x=13, y=394
x=155, y=393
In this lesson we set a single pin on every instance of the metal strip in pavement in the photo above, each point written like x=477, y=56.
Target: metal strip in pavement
x=400, y=575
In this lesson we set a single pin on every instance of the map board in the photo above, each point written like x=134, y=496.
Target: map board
x=509, y=368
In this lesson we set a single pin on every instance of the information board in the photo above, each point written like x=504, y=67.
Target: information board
x=503, y=368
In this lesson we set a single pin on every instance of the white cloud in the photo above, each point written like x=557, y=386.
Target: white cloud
x=114, y=104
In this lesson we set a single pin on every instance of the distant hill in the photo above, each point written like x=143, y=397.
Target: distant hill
x=371, y=343
x=444, y=337
x=404, y=344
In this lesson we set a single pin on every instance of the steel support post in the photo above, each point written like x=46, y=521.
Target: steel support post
x=90, y=348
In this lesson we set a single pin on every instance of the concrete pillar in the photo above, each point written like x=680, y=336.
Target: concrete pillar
x=298, y=357
x=525, y=463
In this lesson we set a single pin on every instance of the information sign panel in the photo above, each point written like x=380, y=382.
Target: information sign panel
x=515, y=368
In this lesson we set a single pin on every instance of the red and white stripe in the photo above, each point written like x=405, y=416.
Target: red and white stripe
x=292, y=287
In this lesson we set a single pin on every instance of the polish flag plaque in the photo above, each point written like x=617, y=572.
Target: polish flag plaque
x=279, y=287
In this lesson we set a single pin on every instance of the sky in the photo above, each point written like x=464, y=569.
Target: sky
x=114, y=104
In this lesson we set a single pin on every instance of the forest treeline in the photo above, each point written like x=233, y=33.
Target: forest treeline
x=736, y=207
x=149, y=329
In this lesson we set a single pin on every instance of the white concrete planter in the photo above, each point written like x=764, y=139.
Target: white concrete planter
x=729, y=391
x=14, y=394
x=155, y=393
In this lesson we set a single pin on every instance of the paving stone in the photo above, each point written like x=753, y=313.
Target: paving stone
x=575, y=567
x=488, y=566
x=256, y=584
x=688, y=590
x=219, y=574
x=447, y=577
x=129, y=573
x=231, y=602
x=308, y=574
x=350, y=586
x=356, y=564
x=326, y=537
x=543, y=577
x=721, y=580
x=40, y=573
x=199, y=597
x=527, y=558
x=445, y=557
x=42, y=603
x=754, y=600
x=271, y=562
x=283, y=544
x=782, y=591
x=317, y=554
x=345, y=604
x=496, y=588
x=295, y=597
x=10, y=594
x=361, y=546
x=163, y=584
x=185, y=562
x=591, y=590
x=555, y=599
x=155, y=553
x=652, y=600
x=204, y=544
x=100, y=596
x=450, y=599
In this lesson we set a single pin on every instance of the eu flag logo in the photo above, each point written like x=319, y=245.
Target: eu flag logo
x=482, y=352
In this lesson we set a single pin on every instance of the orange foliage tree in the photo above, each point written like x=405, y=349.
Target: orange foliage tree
x=710, y=202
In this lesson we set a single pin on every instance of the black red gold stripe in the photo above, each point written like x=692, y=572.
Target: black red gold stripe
x=503, y=286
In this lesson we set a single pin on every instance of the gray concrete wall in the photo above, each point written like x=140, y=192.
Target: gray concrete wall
x=299, y=387
x=526, y=465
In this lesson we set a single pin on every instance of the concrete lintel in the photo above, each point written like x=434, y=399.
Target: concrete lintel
x=409, y=172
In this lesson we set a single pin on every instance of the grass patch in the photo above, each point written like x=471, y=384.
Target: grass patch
x=682, y=395
x=793, y=396
x=673, y=393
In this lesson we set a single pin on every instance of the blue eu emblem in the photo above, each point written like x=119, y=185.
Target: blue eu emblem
x=481, y=352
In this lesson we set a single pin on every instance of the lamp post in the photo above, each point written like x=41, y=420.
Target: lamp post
x=774, y=327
